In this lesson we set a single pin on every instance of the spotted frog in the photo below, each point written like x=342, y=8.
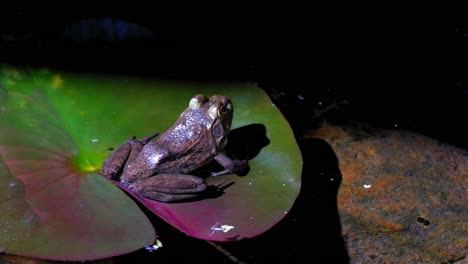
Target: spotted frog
x=160, y=169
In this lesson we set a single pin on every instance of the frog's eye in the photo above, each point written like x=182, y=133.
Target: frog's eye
x=224, y=108
x=197, y=101
x=227, y=105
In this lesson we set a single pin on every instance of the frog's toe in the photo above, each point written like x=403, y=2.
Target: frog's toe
x=147, y=139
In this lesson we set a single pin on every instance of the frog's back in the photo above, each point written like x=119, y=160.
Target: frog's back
x=189, y=147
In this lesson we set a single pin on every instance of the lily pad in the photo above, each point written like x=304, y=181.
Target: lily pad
x=57, y=128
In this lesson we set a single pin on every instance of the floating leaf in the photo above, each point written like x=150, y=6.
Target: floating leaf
x=48, y=208
x=57, y=128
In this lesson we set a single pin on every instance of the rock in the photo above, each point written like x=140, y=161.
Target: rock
x=403, y=198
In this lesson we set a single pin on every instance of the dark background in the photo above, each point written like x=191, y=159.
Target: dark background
x=370, y=67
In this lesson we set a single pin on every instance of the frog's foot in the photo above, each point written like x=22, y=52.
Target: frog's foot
x=230, y=165
x=170, y=187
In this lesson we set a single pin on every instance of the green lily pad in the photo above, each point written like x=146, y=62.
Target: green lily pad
x=57, y=128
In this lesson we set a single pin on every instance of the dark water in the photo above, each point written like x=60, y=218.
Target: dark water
x=340, y=69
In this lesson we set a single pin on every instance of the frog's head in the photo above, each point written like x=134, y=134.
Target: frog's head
x=218, y=110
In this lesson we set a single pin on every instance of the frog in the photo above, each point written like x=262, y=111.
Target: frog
x=160, y=166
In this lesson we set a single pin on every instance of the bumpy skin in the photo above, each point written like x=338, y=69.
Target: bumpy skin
x=159, y=169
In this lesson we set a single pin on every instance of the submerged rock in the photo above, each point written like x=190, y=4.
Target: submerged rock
x=403, y=198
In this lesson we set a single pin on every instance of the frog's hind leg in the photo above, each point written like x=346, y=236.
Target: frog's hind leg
x=113, y=164
x=137, y=145
x=170, y=187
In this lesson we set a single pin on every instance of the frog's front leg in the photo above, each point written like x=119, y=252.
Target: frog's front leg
x=229, y=165
x=124, y=154
x=170, y=187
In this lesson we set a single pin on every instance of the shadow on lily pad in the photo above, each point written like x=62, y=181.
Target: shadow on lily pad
x=244, y=143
